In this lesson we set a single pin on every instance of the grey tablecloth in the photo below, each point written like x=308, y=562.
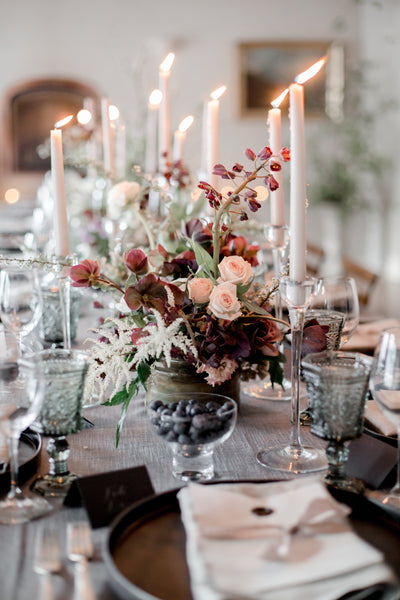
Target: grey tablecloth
x=260, y=424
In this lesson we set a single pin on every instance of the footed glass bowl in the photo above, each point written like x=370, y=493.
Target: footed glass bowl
x=193, y=425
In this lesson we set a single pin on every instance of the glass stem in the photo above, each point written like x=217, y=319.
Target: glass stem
x=13, y=442
x=396, y=489
x=297, y=322
x=65, y=302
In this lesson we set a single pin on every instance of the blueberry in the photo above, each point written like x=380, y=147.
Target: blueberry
x=155, y=404
x=184, y=439
x=212, y=406
x=181, y=428
x=171, y=436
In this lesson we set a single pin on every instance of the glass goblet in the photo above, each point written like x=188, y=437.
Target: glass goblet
x=385, y=388
x=339, y=294
x=19, y=407
x=337, y=385
x=64, y=373
x=20, y=301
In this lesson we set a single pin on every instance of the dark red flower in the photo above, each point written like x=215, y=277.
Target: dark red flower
x=250, y=154
x=85, y=274
x=285, y=154
x=136, y=260
x=265, y=153
x=271, y=182
x=274, y=165
x=148, y=292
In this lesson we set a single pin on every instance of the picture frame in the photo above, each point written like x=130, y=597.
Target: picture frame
x=268, y=68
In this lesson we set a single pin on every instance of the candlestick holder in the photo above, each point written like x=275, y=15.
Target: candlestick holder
x=294, y=457
x=278, y=238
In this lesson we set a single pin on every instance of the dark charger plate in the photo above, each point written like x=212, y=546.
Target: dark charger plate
x=145, y=548
x=30, y=444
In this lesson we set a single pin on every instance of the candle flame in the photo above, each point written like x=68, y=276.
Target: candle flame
x=113, y=112
x=63, y=122
x=185, y=123
x=218, y=92
x=155, y=97
x=277, y=102
x=311, y=71
x=84, y=116
x=167, y=62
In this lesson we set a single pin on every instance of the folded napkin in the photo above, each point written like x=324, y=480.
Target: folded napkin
x=275, y=541
x=366, y=336
x=374, y=416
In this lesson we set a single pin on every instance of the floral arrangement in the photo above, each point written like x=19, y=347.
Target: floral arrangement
x=195, y=300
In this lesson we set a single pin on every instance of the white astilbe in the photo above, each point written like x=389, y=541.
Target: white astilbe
x=160, y=339
x=109, y=371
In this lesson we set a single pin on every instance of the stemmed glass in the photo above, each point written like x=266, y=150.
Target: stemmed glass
x=20, y=301
x=339, y=294
x=19, y=406
x=294, y=457
x=385, y=388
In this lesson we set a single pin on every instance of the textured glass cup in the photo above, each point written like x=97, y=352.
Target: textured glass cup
x=193, y=424
x=64, y=373
x=337, y=385
x=385, y=388
x=334, y=321
x=51, y=327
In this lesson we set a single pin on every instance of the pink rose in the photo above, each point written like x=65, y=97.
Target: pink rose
x=224, y=303
x=200, y=289
x=235, y=269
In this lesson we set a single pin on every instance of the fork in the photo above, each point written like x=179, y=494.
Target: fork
x=47, y=559
x=79, y=550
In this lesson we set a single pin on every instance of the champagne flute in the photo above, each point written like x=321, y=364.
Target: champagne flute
x=339, y=294
x=20, y=301
x=385, y=388
x=19, y=407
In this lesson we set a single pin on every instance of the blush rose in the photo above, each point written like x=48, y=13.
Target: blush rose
x=200, y=289
x=224, y=302
x=235, y=270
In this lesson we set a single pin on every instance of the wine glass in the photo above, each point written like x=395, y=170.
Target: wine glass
x=385, y=388
x=19, y=407
x=20, y=301
x=339, y=294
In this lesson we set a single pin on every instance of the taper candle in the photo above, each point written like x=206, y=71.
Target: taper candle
x=61, y=238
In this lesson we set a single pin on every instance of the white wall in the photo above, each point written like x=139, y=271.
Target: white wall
x=117, y=47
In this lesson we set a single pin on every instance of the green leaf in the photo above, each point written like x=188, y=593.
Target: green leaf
x=143, y=372
x=242, y=288
x=254, y=307
x=204, y=261
x=275, y=371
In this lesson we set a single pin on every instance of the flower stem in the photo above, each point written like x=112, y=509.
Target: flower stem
x=218, y=214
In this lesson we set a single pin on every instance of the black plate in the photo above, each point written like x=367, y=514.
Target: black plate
x=30, y=444
x=145, y=549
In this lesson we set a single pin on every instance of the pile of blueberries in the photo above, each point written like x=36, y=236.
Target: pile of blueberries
x=190, y=422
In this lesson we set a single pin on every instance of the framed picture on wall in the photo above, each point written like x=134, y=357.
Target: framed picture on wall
x=268, y=68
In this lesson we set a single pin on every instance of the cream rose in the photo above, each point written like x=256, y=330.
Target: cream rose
x=119, y=195
x=235, y=269
x=224, y=303
x=200, y=289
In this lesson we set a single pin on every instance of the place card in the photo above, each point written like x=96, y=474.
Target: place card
x=105, y=495
x=373, y=461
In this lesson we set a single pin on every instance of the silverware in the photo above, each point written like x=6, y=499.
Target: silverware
x=79, y=550
x=47, y=559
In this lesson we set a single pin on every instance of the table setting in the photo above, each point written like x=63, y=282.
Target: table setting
x=174, y=426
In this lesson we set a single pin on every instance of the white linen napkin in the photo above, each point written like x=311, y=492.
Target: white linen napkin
x=366, y=336
x=303, y=549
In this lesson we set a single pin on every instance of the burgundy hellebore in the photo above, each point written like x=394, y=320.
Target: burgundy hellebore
x=85, y=274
